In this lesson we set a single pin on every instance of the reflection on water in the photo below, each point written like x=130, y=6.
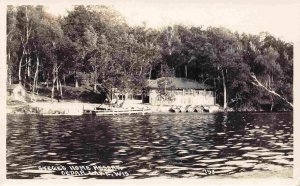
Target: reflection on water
x=173, y=145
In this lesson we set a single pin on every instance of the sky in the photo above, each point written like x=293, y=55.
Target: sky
x=277, y=17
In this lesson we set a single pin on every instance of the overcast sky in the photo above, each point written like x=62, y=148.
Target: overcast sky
x=280, y=18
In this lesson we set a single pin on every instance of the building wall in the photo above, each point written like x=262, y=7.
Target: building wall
x=17, y=93
x=130, y=98
x=183, y=97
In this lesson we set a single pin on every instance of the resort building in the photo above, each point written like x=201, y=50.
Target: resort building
x=130, y=96
x=178, y=91
x=16, y=92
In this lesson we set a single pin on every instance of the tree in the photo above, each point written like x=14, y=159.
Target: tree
x=52, y=39
x=12, y=42
x=164, y=85
x=269, y=65
x=171, y=48
x=24, y=25
x=225, y=54
x=257, y=83
x=93, y=45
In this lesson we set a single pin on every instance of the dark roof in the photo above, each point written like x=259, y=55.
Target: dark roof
x=177, y=83
x=13, y=86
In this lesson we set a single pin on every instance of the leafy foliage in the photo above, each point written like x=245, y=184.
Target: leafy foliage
x=93, y=46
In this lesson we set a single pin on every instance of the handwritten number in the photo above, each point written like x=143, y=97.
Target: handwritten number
x=208, y=171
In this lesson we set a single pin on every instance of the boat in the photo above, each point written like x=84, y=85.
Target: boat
x=175, y=109
x=191, y=108
x=199, y=109
x=184, y=109
x=205, y=108
x=195, y=108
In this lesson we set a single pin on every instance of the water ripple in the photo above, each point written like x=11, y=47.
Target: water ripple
x=171, y=145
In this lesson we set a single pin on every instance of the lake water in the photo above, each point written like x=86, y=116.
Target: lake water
x=143, y=146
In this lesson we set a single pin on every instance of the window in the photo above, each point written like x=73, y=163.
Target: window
x=137, y=97
x=179, y=92
x=188, y=92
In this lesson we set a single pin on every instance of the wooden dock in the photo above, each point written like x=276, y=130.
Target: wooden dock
x=105, y=110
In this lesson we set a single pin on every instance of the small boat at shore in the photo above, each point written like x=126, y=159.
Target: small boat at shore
x=175, y=109
x=197, y=108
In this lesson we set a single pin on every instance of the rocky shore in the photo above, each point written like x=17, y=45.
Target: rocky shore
x=47, y=108
x=75, y=108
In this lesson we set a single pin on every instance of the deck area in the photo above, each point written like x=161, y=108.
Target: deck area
x=105, y=110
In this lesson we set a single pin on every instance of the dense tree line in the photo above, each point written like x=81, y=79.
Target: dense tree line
x=93, y=46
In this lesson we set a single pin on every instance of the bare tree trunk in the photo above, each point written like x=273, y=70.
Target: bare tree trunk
x=60, y=89
x=185, y=69
x=64, y=78
x=141, y=70
x=24, y=74
x=54, y=79
x=150, y=72
x=24, y=42
x=95, y=80
x=29, y=73
x=225, y=90
x=52, y=90
x=35, y=79
x=272, y=104
x=257, y=83
x=28, y=68
x=215, y=94
x=76, y=81
x=20, y=67
x=48, y=79
x=95, y=87
x=57, y=87
x=27, y=77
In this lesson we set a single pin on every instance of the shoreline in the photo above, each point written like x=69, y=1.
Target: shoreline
x=70, y=108
x=76, y=108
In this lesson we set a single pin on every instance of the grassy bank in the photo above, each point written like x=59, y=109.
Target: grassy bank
x=69, y=93
x=64, y=108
